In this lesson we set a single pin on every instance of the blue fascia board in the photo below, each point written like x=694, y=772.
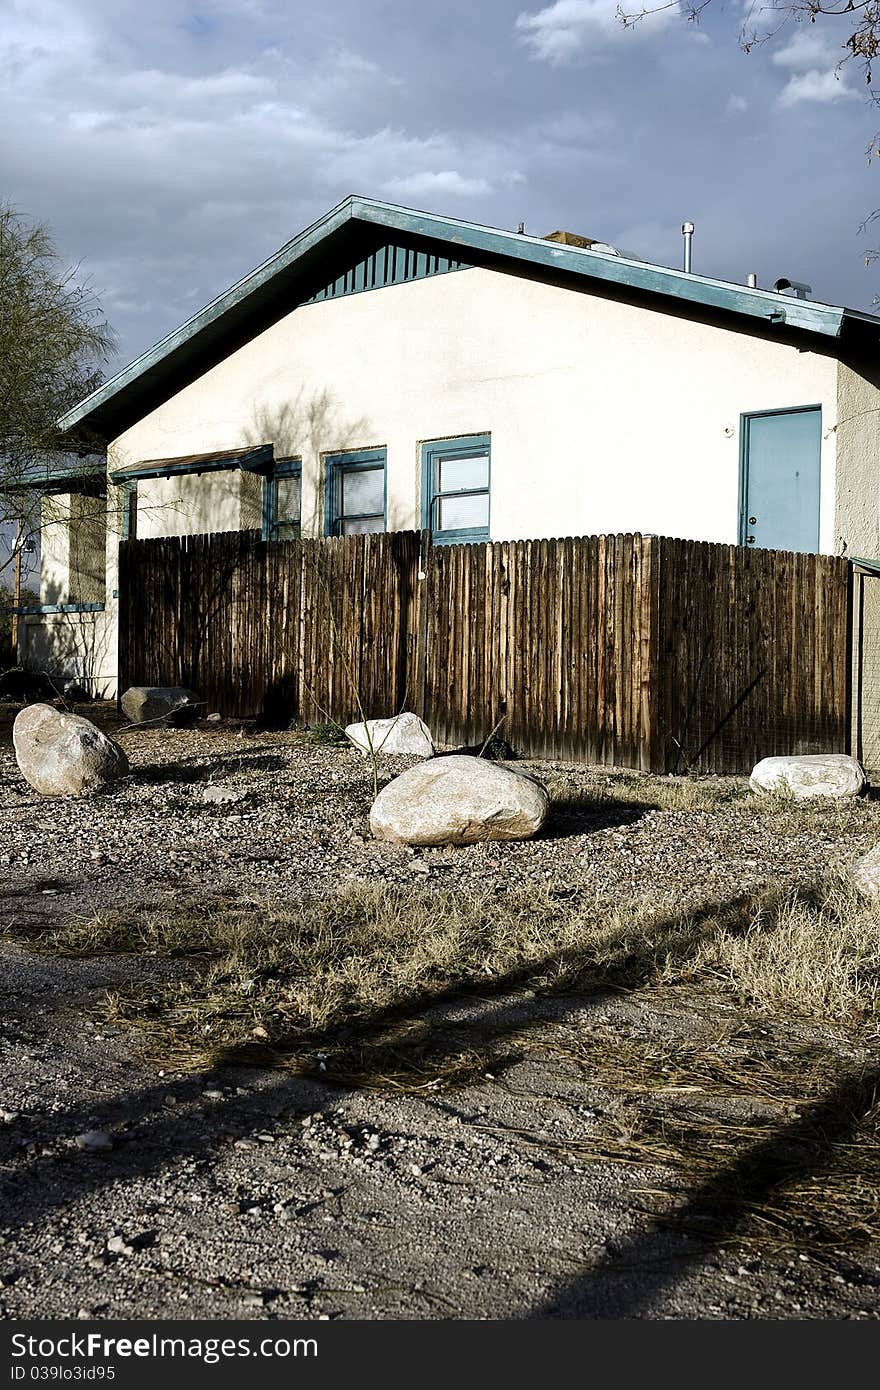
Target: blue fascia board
x=859, y=562
x=767, y=305
x=496, y=247
x=86, y=481
x=31, y=609
x=289, y=253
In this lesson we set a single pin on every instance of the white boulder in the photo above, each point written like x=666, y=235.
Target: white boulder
x=808, y=775
x=149, y=704
x=406, y=734
x=62, y=754
x=864, y=873
x=459, y=800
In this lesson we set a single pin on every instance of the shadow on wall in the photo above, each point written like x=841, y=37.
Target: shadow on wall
x=307, y=428
x=63, y=646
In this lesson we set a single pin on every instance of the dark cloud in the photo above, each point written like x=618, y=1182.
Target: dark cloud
x=173, y=146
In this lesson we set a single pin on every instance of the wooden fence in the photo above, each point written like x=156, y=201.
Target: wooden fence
x=645, y=652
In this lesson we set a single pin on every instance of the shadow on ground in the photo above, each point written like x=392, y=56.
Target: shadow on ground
x=580, y=817
x=149, y=1136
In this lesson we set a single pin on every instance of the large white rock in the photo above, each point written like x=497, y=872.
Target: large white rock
x=864, y=873
x=809, y=775
x=406, y=734
x=458, y=801
x=146, y=704
x=62, y=754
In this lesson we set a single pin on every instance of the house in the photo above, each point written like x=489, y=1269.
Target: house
x=396, y=369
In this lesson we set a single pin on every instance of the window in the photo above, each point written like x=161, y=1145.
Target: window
x=455, y=488
x=282, y=501
x=129, y=511
x=72, y=551
x=355, y=493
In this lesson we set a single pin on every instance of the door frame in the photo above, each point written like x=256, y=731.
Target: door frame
x=745, y=419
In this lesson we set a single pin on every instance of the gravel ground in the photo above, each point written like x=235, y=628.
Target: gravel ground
x=292, y=823
x=255, y=1194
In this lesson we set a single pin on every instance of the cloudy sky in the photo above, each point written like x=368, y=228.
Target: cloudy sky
x=172, y=145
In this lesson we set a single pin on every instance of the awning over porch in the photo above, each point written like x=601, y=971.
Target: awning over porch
x=258, y=459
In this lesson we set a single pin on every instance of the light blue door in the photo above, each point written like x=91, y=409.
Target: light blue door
x=780, y=486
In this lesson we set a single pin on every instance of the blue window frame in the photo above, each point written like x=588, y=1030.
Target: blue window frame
x=455, y=488
x=129, y=511
x=282, y=501
x=355, y=492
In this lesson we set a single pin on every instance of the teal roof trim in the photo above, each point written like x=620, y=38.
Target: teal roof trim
x=859, y=562
x=603, y=266
x=389, y=264
x=126, y=396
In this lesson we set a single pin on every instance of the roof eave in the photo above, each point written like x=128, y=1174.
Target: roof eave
x=288, y=254
x=486, y=245
x=766, y=305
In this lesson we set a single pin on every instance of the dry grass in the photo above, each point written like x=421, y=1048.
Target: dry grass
x=804, y=1170
x=293, y=976
x=686, y=793
x=346, y=988
x=815, y=954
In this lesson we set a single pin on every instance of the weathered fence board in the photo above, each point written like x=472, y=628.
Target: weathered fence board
x=645, y=652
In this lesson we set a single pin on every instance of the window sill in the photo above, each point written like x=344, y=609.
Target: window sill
x=38, y=609
x=460, y=538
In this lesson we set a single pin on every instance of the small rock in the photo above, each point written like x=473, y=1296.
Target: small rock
x=118, y=1245
x=217, y=795
x=94, y=1141
x=403, y=735
x=809, y=775
x=213, y=718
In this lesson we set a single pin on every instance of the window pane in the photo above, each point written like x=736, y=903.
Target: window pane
x=362, y=492
x=288, y=497
x=457, y=475
x=365, y=525
x=463, y=513
x=285, y=531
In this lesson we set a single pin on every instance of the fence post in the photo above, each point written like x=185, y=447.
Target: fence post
x=417, y=678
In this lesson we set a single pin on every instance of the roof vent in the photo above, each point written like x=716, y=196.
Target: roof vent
x=583, y=243
x=793, y=288
x=571, y=239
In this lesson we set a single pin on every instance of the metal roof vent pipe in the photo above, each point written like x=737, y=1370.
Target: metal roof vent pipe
x=795, y=288
x=752, y=280
x=687, y=231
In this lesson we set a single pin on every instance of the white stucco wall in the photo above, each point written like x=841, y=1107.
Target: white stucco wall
x=603, y=416
x=189, y=503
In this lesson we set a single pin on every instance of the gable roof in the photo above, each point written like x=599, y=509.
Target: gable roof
x=292, y=275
